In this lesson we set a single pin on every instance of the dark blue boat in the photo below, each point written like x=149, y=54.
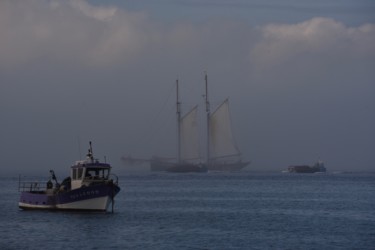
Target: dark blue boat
x=90, y=187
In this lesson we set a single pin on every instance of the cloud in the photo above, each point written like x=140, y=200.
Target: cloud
x=320, y=37
x=100, y=13
x=67, y=31
x=75, y=31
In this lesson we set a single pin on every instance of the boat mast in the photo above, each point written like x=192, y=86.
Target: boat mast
x=90, y=153
x=178, y=112
x=208, y=120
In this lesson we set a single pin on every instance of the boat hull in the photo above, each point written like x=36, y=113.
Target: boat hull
x=306, y=169
x=92, y=198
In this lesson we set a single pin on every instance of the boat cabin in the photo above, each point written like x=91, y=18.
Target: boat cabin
x=89, y=172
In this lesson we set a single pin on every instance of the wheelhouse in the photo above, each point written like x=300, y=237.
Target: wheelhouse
x=89, y=172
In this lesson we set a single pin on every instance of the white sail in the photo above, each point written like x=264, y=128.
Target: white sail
x=222, y=143
x=190, y=135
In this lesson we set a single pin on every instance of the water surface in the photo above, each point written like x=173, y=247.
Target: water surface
x=241, y=210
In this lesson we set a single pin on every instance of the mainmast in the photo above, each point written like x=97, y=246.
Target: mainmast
x=208, y=121
x=178, y=112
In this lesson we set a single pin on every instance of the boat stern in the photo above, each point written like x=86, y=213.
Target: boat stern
x=36, y=200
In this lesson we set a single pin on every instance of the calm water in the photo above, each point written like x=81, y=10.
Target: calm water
x=207, y=211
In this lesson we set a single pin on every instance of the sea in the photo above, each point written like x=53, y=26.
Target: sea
x=215, y=210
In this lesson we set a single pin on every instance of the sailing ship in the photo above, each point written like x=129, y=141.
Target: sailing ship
x=89, y=188
x=222, y=153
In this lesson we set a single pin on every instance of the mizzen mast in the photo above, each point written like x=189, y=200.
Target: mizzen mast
x=208, y=120
x=178, y=113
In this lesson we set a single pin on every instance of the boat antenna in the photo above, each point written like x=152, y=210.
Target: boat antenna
x=90, y=153
x=208, y=118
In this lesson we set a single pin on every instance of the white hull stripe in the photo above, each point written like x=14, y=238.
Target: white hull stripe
x=100, y=203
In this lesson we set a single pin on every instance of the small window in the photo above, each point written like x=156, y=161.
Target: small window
x=105, y=173
x=74, y=174
x=80, y=171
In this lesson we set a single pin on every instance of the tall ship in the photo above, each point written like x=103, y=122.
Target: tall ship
x=221, y=150
x=90, y=187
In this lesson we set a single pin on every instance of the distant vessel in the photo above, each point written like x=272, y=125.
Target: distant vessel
x=317, y=167
x=222, y=153
x=89, y=188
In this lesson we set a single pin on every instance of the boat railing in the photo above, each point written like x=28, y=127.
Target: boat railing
x=31, y=186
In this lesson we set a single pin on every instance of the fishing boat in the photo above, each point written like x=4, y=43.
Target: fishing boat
x=90, y=187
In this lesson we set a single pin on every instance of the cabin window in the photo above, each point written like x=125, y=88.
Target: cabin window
x=79, y=175
x=91, y=172
x=104, y=173
x=96, y=173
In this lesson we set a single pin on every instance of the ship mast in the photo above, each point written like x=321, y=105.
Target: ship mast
x=208, y=121
x=178, y=113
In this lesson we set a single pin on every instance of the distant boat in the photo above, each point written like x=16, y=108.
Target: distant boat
x=89, y=188
x=316, y=168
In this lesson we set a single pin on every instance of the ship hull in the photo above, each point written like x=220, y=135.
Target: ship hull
x=160, y=165
x=93, y=198
x=187, y=168
x=236, y=166
x=305, y=169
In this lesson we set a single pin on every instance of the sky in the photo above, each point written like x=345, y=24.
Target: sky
x=300, y=77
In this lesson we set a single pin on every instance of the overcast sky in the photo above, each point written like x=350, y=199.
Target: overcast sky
x=300, y=77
